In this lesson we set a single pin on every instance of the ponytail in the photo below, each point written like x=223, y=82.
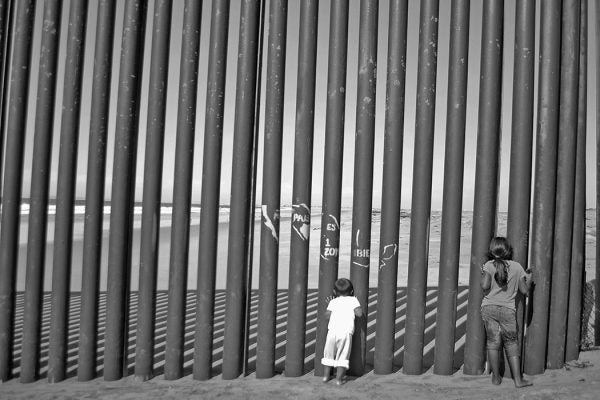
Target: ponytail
x=501, y=275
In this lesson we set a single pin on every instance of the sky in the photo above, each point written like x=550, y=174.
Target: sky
x=320, y=102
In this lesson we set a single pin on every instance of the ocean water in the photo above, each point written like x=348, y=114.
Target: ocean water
x=284, y=248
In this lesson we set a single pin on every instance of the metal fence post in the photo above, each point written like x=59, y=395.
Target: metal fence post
x=421, y=192
x=486, y=175
x=153, y=166
x=211, y=174
x=269, y=239
x=544, y=187
x=453, y=188
x=13, y=180
x=65, y=192
x=123, y=187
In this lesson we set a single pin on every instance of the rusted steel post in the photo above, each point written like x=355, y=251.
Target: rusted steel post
x=391, y=187
x=13, y=180
x=301, y=192
x=421, y=192
x=123, y=189
x=565, y=183
x=153, y=168
x=577, y=282
x=182, y=189
x=94, y=195
x=453, y=187
x=40, y=182
x=211, y=179
x=269, y=239
x=486, y=175
x=544, y=186
x=519, y=192
x=65, y=192
x=237, y=252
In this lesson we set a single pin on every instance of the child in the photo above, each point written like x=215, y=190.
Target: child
x=341, y=311
x=501, y=278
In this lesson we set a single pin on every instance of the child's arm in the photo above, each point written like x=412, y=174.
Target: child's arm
x=525, y=282
x=486, y=279
x=358, y=312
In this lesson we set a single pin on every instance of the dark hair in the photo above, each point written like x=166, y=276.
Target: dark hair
x=343, y=287
x=500, y=251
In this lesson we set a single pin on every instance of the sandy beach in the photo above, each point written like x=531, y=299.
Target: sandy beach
x=579, y=379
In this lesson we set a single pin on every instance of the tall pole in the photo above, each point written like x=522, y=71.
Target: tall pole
x=458, y=68
x=6, y=29
x=65, y=192
x=391, y=187
x=565, y=183
x=122, y=195
x=182, y=189
x=13, y=180
x=243, y=138
x=211, y=180
x=519, y=192
x=301, y=192
x=486, y=175
x=421, y=192
x=269, y=238
x=40, y=182
x=94, y=192
x=597, y=298
x=544, y=186
x=577, y=281
x=153, y=165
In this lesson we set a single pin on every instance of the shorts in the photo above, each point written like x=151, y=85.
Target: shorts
x=501, y=328
x=337, y=350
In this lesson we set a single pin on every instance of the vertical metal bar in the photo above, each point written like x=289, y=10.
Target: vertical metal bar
x=576, y=288
x=597, y=298
x=94, y=195
x=332, y=177
x=123, y=182
x=565, y=183
x=544, y=186
x=211, y=182
x=453, y=188
x=269, y=239
x=240, y=190
x=65, y=193
x=40, y=181
x=182, y=189
x=421, y=192
x=13, y=180
x=519, y=192
x=6, y=26
x=301, y=192
x=254, y=168
x=391, y=188
x=486, y=175
x=360, y=256
x=153, y=161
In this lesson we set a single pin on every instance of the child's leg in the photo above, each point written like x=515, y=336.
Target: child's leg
x=326, y=373
x=494, y=361
x=515, y=367
x=341, y=372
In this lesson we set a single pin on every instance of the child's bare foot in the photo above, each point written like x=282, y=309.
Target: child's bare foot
x=519, y=383
x=496, y=380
